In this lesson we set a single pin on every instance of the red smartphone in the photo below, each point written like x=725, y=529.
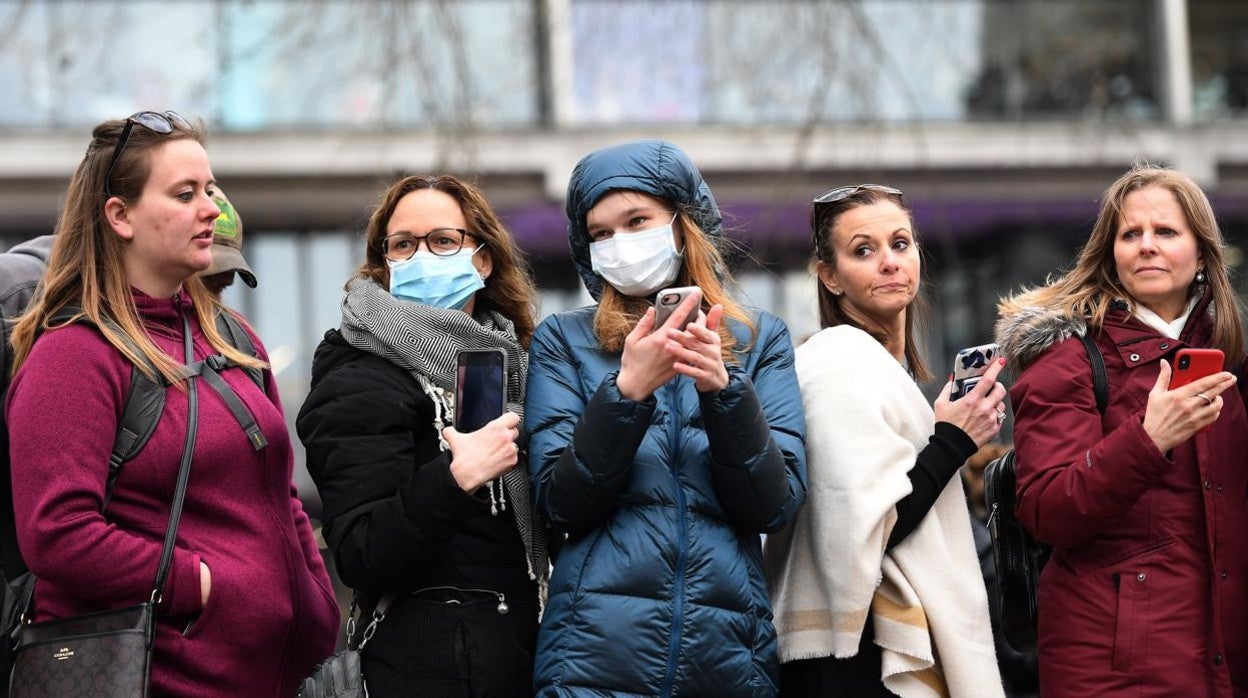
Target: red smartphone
x=1194, y=364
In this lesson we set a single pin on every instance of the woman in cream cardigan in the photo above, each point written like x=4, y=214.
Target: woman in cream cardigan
x=876, y=585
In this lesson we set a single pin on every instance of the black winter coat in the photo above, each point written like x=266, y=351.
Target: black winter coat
x=465, y=620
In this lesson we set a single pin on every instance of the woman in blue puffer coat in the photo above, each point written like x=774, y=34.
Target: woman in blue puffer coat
x=661, y=454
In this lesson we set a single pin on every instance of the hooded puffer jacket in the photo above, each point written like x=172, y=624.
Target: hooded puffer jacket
x=659, y=589
x=1144, y=595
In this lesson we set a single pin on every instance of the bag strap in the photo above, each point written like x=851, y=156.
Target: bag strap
x=232, y=331
x=184, y=473
x=379, y=614
x=1100, y=381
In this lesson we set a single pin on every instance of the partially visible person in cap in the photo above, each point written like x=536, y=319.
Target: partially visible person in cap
x=227, y=250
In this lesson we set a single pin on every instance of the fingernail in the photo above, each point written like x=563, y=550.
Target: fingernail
x=1002, y=360
x=950, y=378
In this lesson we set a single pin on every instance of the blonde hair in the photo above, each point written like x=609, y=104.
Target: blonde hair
x=85, y=268
x=1089, y=289
x=703, y=267
x=509, y=289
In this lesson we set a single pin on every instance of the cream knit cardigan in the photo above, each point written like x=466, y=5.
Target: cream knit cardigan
x=866, y=422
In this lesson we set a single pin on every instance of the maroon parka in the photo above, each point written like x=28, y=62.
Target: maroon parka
x=1147, y=590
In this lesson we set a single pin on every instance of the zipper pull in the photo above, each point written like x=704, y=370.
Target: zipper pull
x=503, y=608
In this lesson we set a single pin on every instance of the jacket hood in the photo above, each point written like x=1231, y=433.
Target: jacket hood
x=39, y=248
x=653, y=167
x=1028, y=332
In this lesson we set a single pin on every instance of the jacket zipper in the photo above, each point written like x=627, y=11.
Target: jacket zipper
x=678, y=612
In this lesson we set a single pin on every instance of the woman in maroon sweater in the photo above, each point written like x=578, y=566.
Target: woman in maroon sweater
x=247, y=608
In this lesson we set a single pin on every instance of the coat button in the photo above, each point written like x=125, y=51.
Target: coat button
x=1217, y=659
x=1208, y=485
x=1165, y=345
x=1223, y=574
x=1135, y=357
x=1219, y=488
x=1140, y=576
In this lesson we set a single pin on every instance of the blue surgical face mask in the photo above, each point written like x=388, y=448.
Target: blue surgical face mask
x=440, y=282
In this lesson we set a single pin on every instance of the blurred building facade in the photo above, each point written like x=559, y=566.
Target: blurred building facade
x=1002, y=120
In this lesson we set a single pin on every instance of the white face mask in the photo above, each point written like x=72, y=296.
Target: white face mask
x=638, y=264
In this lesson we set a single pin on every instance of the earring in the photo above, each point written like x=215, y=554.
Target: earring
x=837, y=292
x=1200, y=276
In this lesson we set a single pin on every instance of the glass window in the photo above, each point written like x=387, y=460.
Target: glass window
x=270, y=64
x=1219, y=40
x=746, y=61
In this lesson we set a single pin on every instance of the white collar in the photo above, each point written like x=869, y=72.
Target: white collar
x=1169, y=329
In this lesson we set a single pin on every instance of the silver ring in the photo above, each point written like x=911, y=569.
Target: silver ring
x=1208, y=400
x=1001, y=417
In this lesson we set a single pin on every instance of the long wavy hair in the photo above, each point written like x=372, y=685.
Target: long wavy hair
x=1089, y=289
x=85, y=266
x=703, y=267
x=823, y=219
x=509, y=288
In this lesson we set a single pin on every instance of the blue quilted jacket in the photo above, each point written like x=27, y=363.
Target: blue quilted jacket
x=658, y=589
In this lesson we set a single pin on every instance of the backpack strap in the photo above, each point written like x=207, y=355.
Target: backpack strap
x=145, y=401
x=1100, y=381
x=232, y=331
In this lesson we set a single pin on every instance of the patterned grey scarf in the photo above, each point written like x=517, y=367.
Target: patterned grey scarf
x=425, y=340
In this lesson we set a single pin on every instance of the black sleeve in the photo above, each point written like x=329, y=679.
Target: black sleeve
x=387, y=494
x=935, y=465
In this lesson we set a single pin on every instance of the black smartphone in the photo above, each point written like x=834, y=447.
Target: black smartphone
x=666, y=301
x=480, y=387
x=969, y=366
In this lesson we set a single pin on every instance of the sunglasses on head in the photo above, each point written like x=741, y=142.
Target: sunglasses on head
x=833, y=195
x=157, y=122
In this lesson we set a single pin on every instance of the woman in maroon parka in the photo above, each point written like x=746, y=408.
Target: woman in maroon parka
x=1147, y=590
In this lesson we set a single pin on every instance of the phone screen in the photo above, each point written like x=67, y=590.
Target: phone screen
x=480, y=387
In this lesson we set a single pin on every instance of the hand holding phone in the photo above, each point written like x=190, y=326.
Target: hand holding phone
x=1186, y=400
x=1193, y=364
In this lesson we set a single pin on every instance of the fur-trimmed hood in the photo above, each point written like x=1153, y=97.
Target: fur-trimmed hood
x=1028, y=332
x=1025, y=331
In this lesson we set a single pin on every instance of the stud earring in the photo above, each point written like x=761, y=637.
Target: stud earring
x=1200, y=276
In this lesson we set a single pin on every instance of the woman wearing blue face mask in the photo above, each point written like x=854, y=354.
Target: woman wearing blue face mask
x=660, y=453
x=431, y=527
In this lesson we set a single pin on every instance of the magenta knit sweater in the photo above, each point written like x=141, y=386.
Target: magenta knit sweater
x=271, y=614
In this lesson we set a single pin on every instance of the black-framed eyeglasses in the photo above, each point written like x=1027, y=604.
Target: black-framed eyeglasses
x=442, y=242
x=833, y=195
x=159, y=122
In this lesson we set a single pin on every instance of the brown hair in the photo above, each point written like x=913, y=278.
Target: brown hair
x=823, y=218
x=1088, y=290
x=509, y=288
x=703, y=267
x=85, y=267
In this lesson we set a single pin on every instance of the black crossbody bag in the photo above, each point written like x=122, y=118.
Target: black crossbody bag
x=1017, y=556
x=107, y=652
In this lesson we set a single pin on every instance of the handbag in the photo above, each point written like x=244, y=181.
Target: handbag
x=342, y=675
x=1017, y=556
x=107, y=653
